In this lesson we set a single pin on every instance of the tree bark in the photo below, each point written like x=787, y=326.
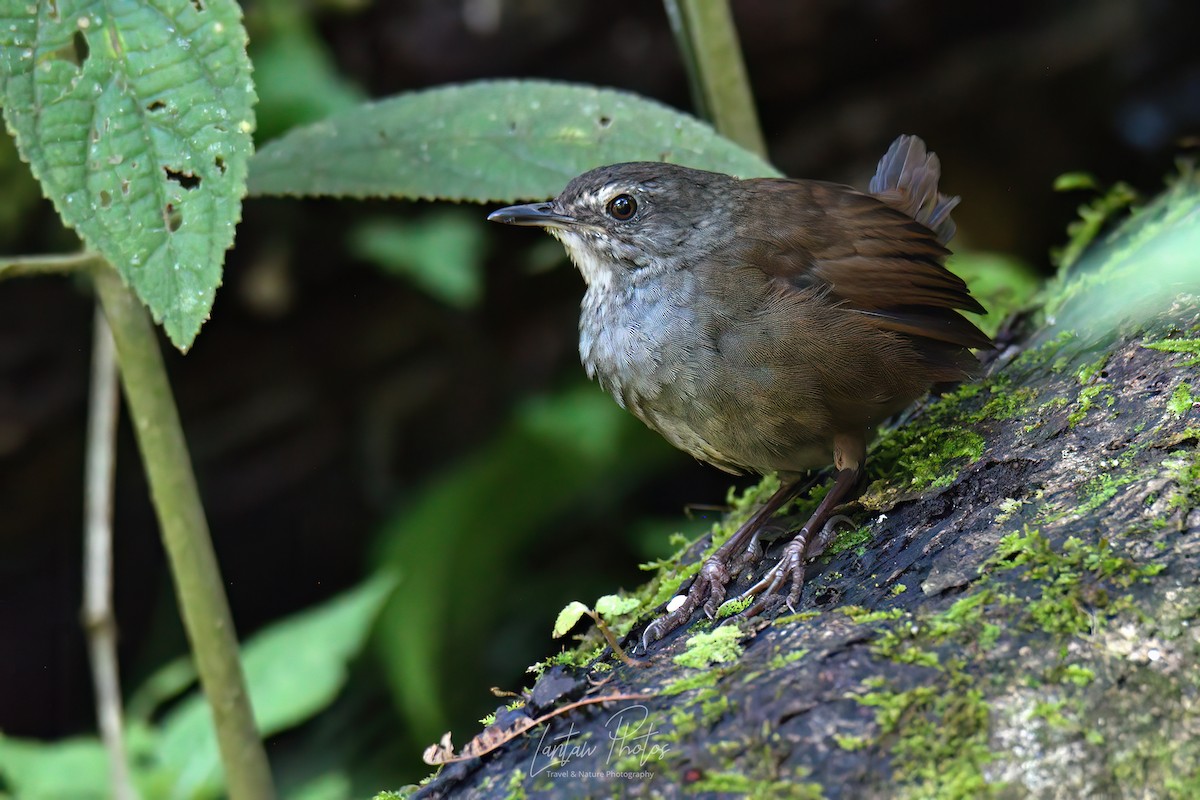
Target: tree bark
x=1016, y=615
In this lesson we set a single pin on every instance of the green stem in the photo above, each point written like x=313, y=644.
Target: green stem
x=186, y=538
x=709, y=45
x=20, y=266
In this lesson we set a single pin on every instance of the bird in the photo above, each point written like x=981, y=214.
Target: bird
x=765, y=325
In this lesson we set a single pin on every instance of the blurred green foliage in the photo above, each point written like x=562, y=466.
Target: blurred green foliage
x=1002, y=283
x=294, y=669
x=457, y=545
x=20, y=195
x=294, y=73
x=442, y=252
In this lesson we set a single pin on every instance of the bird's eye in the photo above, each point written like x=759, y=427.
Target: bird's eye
x=622, y=207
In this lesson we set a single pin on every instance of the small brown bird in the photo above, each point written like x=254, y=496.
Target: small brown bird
x=765, y=325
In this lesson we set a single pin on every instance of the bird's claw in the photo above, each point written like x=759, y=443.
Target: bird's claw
x=708, y=588
x=799, y=550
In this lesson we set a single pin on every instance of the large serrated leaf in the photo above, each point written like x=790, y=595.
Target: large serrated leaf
x=490, y=141
x=136, y=117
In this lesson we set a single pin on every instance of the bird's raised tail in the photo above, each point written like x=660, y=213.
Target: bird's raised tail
x=907, y=180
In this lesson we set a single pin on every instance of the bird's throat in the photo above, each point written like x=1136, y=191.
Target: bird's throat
x=595, y=265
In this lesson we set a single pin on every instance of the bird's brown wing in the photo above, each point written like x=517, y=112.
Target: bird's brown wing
x=864, y=256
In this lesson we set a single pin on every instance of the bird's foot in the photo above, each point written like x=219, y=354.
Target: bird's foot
x=708, y=588
x=712, y=582
x=790, y=568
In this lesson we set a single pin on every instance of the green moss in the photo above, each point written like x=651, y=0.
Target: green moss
x=1189, y=346
x=939, y=735
x=1054, y=403
x=862, y=616
x=936, y=734
x=669, y=581
x=1111, y=476
x=1069, y=594
x=516, y=785
x=1182, y=400
x=1008, y=506
x=1078, y=675
x=1098, y=490
x=1085, y=403
x=928, y=458
x=683, y=723
x=583, y=655
x=851, y=743
x=1092, y=216
x=931, y=451
x=849, y=540
x=1052, y=712
x=1089, y=371
x=781, y=660
x=735, y=606
x=1007, y=402
x=719, y=646
x=700, y=680
x=799, y=616
x=792, y=787
x=1183, y=467
x=713, y=708
x=1042, y=355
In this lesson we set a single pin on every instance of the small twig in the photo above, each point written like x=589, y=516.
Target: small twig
x=491, y=738
x=21, y=266
x=98, y=619
x=626, y=659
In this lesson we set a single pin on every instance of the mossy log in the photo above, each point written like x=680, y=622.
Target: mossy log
x=1018, y=614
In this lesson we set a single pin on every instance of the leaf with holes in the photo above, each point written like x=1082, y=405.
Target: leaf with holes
x=136, y=119
x=488, y=141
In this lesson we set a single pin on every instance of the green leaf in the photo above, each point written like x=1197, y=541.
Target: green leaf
x=488, y=141
x=442, y=252
x=77, y=768
x=294, y=669
x=296, y=76
x=74, y=768
x=568, y=617
x=136, y=119
x=1073, y=181
x=611, y=606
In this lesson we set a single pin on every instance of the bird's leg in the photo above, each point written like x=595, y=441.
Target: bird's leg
x=721, y=567
x=849, y=453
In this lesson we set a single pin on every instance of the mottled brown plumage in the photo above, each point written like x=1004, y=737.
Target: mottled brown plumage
x=766, y=324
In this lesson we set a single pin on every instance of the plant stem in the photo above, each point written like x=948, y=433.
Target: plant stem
x=98, y=620
x=20, y=266
x=186, y=538
x=708, y=42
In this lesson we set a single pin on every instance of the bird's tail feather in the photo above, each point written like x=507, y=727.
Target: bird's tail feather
x=907, y=180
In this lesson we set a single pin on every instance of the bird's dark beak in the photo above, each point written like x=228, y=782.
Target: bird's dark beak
x=541, y=215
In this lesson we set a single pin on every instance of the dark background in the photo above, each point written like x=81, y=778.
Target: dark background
x=324, y=393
